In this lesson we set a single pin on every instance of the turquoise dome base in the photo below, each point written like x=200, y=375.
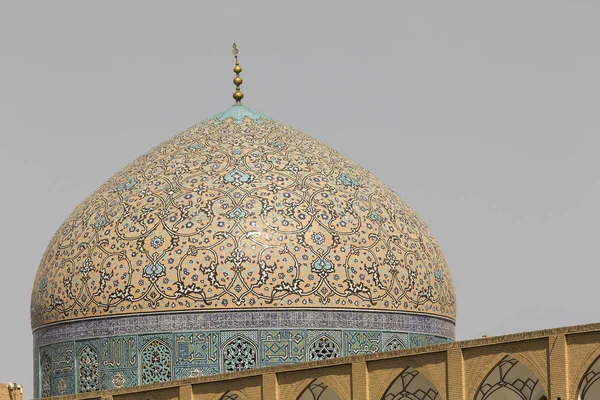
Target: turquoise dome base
x=117, y=352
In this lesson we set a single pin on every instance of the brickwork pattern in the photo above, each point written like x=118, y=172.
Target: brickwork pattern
x=582, y=351
x=9, y=394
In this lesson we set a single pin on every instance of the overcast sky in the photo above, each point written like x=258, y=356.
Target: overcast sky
x=483, y=116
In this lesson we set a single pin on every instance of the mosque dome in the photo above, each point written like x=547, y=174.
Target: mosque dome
x=240, y=242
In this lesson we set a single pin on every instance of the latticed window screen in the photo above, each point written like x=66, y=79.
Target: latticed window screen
x=323, y=348
x=46, y=370
x=89, y=365
x=156, y=362
x=239, y=355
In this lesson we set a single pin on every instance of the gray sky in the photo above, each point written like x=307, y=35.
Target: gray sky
x=482, y=116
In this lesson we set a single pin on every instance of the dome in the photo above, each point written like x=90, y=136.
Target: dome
x=240, y=235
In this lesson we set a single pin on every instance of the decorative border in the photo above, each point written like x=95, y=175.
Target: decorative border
x=243, y=319
x=101, y=363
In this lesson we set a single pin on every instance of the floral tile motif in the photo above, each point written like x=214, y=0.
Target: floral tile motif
x=115, y=379
x=241, y=212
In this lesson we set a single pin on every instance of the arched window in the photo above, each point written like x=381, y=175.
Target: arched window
x=239, y=354
x=411, y=385
x=318, y=390
x=590, y=384
x=89, y=366
x=323, y=348
x=46, y=371
x=156, y=362
x=511, y=380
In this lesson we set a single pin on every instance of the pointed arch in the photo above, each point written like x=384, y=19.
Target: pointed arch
x=387, y=372
x=589, y=387
x=411, y=385
x=323, y=348
x=494, y=358
x=46, y=386
x=89, y=367
x=156, y=362
x=239, y=354
x=510, y=379
x=319, y=390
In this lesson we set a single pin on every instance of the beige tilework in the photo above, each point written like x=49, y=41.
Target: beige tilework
x=241, y=214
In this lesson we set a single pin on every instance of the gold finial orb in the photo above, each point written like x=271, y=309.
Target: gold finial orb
x=237, y=81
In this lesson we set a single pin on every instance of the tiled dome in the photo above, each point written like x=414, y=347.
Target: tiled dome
x=239, y=218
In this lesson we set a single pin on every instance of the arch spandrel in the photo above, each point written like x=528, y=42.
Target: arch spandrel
x=583, y=352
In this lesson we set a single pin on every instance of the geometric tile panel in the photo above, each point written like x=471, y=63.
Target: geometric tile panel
x=357, y=342
x=58, y=369
x=196, y=348
x=119, y=361
x=282, y=347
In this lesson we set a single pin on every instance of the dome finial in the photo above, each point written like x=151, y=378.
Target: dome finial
x=237, y=81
